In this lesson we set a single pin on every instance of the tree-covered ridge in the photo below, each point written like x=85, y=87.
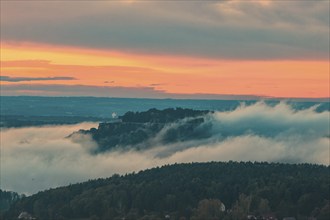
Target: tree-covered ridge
x=137, y=129
x=161, y=116
x=191, y=191
x=7, y=198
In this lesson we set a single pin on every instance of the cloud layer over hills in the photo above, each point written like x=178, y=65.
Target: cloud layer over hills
x=37, y=158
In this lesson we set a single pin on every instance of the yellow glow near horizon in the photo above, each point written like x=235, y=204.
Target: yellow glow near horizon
x=64, y=55
x=172, y=74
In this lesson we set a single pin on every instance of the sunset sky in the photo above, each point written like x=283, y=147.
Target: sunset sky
x=166, y=49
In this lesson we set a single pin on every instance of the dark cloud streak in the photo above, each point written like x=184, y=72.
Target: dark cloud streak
x=22, y=79
x=110, y=91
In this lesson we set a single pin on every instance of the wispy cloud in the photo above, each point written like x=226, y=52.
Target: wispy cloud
x=157, y=84
x=81, y=90
x=109, y=91
x=22, y=79
x=122, y=91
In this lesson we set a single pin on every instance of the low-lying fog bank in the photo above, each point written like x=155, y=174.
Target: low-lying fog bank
x=38, y=158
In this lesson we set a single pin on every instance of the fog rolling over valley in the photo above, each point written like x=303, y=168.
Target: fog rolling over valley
x=153, y=110
x=39, y=158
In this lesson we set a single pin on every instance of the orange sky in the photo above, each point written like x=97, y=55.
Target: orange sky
x=165, y=49
x=171, y=74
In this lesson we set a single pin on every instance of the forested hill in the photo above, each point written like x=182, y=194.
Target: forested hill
x=137, y=129
x=190, y=191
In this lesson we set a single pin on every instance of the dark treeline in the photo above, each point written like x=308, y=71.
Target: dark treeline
x=190, y=191
x=161, y=116
x=133, y=130
x=7, y=198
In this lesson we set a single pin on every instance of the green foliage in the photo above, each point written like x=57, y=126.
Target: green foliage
x=190, y=191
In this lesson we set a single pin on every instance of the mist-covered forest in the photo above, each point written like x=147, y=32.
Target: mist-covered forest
x=133, y=130
x=213, y=190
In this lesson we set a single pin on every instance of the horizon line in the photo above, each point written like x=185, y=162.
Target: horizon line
x=225, y=98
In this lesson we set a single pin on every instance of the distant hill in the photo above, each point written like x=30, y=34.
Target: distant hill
x=213, y=190
x=135, y=130
x=104, y=107
x=15, y=121
x=23, y=111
